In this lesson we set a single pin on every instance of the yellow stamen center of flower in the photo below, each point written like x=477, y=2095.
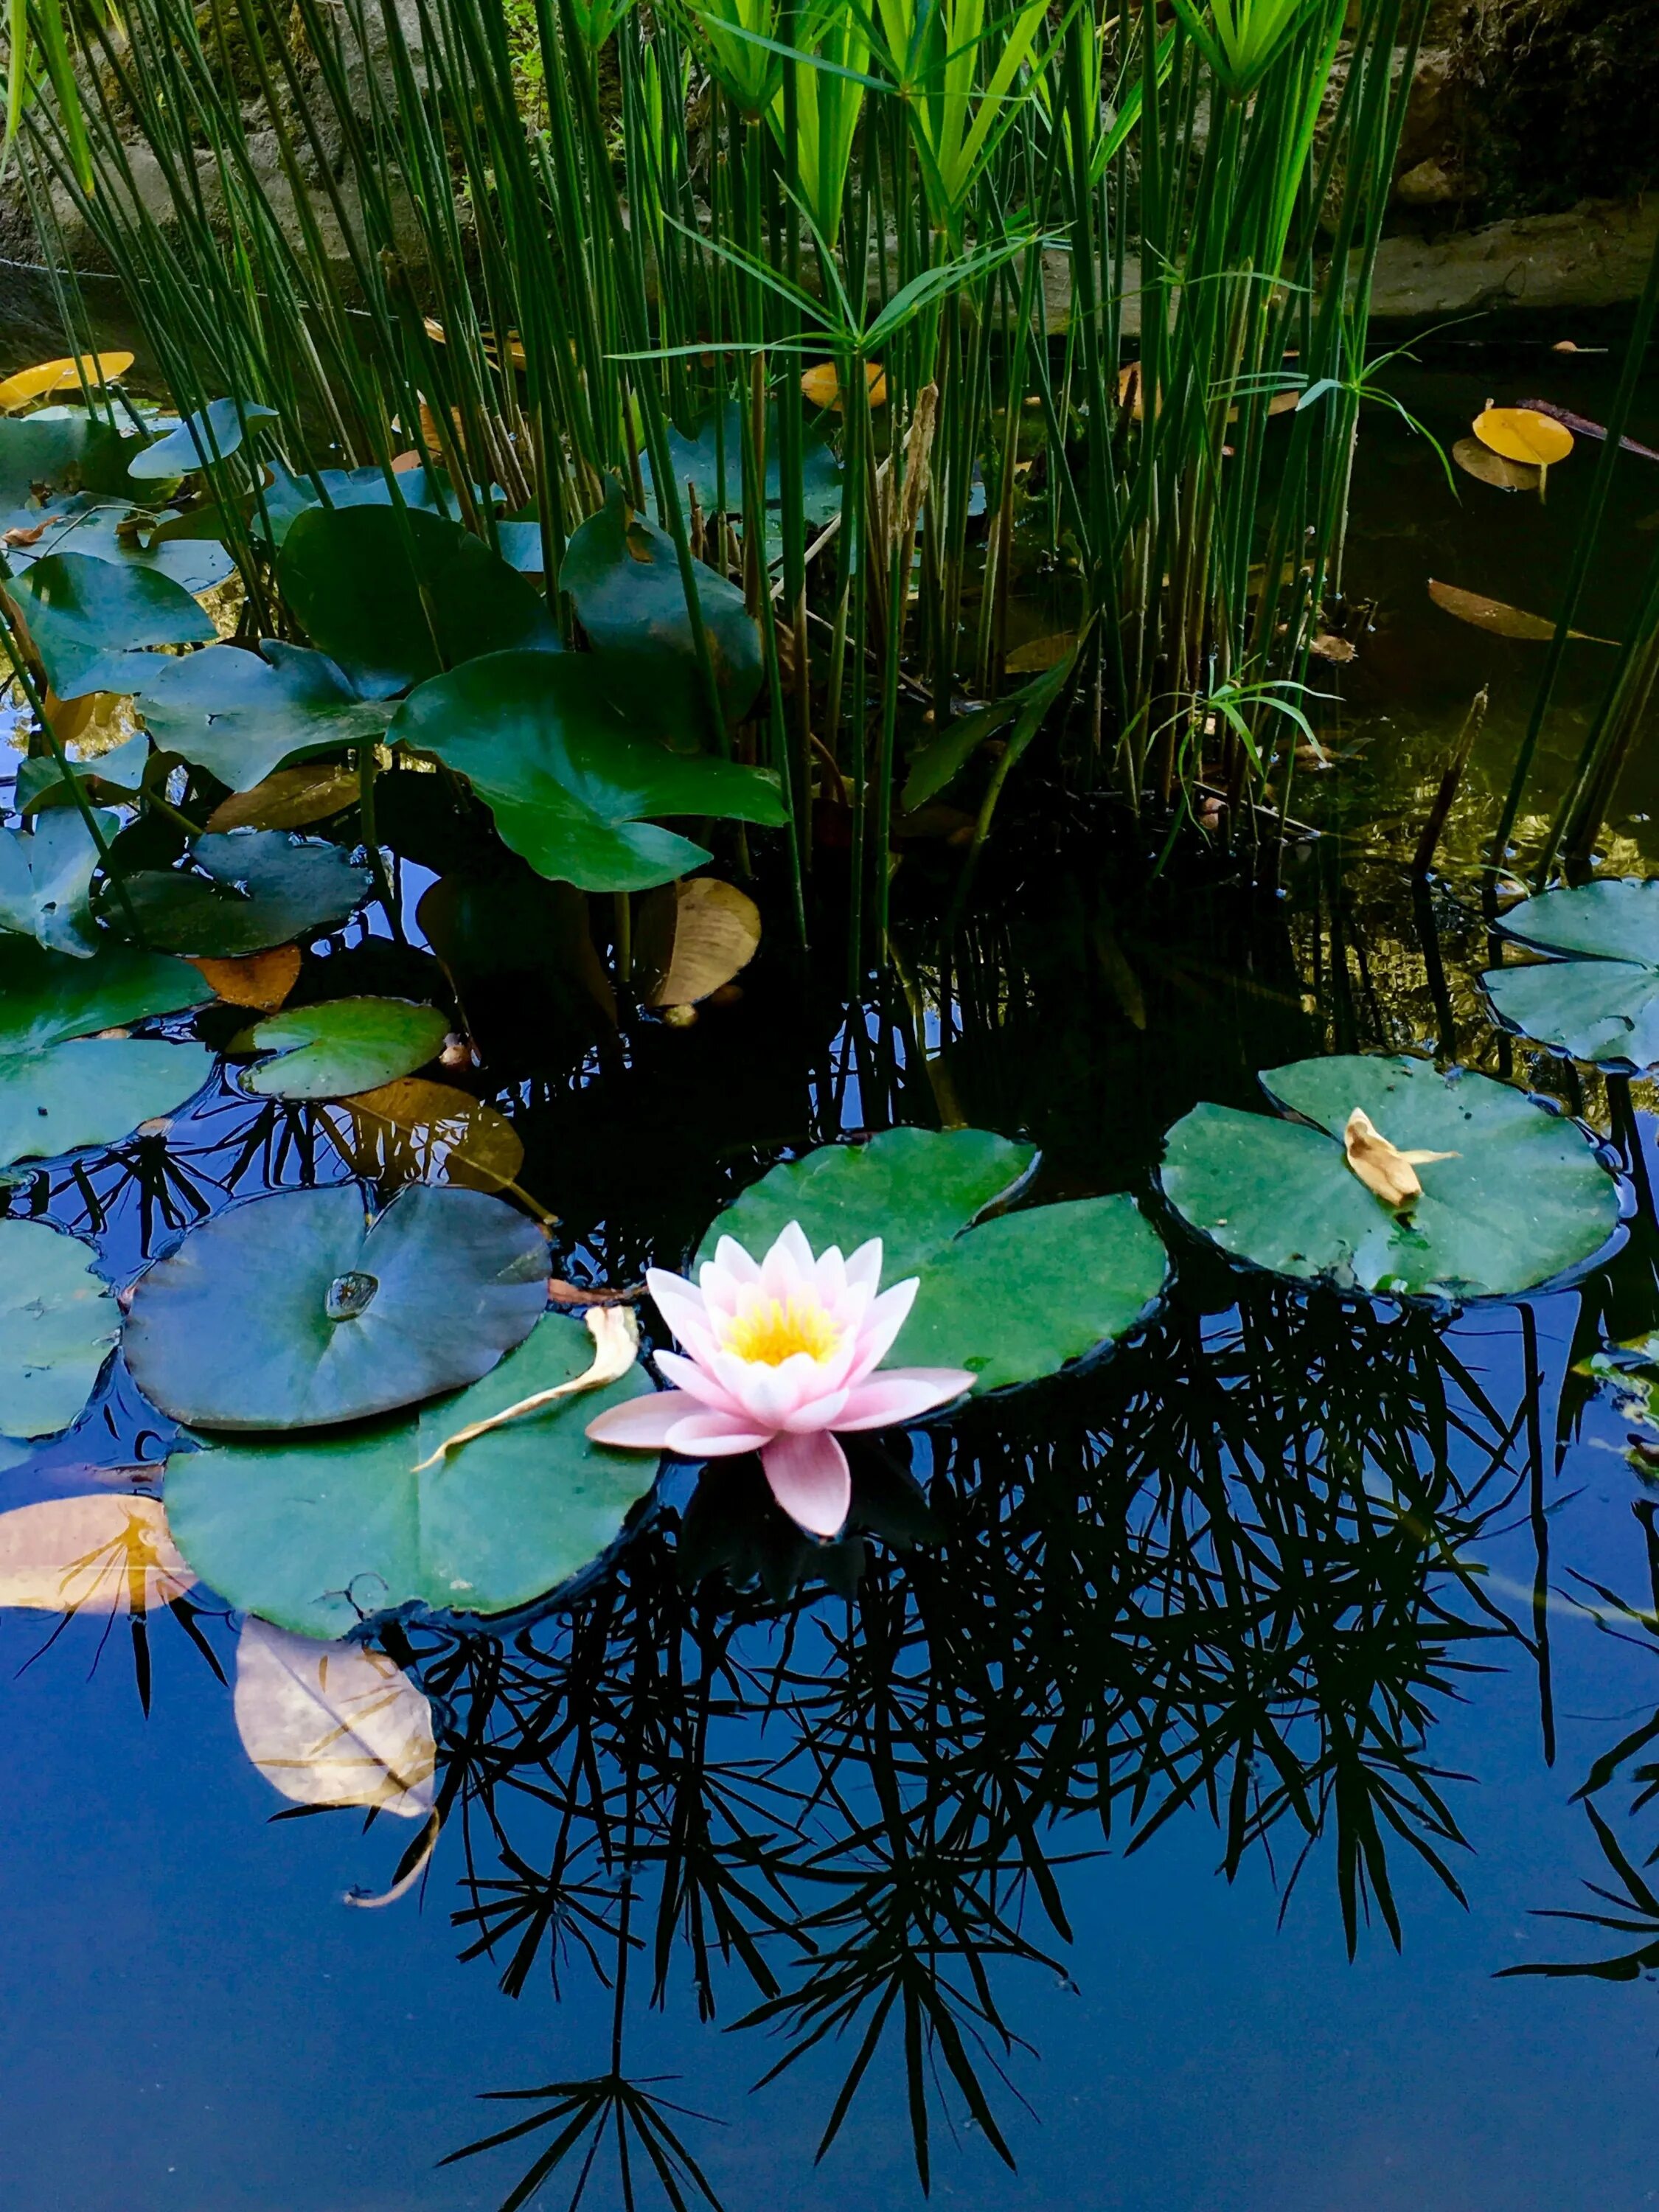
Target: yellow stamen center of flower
x=773, y=1330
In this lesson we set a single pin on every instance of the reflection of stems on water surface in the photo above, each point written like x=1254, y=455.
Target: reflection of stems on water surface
x=1230, y=1575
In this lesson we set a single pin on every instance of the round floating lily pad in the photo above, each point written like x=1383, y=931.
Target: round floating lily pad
x=57, y=1325
x=298, y=1309
x=342, y=1046
x=1524, y=1198
x=261, y=888
x=315, y=1534
x=61, y=1090
x=1600, y=1000
x=1012, y=1300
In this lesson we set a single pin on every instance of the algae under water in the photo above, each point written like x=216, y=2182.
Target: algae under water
x=1157, y=1803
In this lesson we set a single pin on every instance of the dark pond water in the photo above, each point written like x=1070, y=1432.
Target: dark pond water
x=1163, y=1800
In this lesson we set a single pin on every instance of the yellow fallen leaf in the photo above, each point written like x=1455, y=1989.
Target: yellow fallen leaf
x=822, y=387
x=616, y=1334
x=103, y=1554
x=693, y=938
x=257, y=979
x=49, y=376
x=1521, y=434
x=333, y=1723
x=1386, y=1172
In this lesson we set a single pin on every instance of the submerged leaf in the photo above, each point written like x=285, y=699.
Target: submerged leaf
x=257, y=979
x=297, y=1309
x=1521, y=1199
x=333, y=1723
x=315, y=1533
x=1478, y=461
x=1503, y=621
x=58, y=1326
x=415, y=1131
x=108, y=1553
x=290, y=800
x=692, y=938
x=343, y=1045
x=1010, y=1300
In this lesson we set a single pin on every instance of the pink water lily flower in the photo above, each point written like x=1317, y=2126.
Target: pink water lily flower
x=780, y=1354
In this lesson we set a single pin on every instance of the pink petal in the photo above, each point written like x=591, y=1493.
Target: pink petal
x=900, y=1394
x=809, y=1478
x=821, y=1412
x=864, y=1267
x=680, y=1304
x=879, y=1326
x=733, y=1259
x=640, y=1423
x=697, y=1380
x=706, y=1434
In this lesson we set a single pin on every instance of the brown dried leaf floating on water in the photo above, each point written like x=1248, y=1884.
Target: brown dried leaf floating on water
x=1040, y=652
x=1324, y=648
x=1386, y=1172
x=1501, y=619
x=694, y=938
x=1478, y=461
x=106, y=1554
x=333, y=1723
x=418, y=1131
x=258, y=979
x=616, y=1334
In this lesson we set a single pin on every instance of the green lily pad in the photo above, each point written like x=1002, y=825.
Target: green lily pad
x=315, y=1533
x=91, y=621
x=1011, y=1300
x=213, y=435
x=260, y=888
x=58, y=1326
x=46, y=881
x=240, y=716
x=1599, y=1001
x=62, y=447
x=1524, y=1199
x=624, y=578
x=343, y=1046
x=297, y=1309
x=695, y=463
x=569, y=775
x=105, y=530
x=118, y=774
x=61, y=1090
x=348, y=576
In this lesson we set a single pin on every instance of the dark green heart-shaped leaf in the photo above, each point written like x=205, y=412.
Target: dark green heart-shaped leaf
x=1524, y=1199
x=240, y=716
x=57, y=1324
x=344, y=1045
x=91, y=620
x=297, y=1309
x=260, y=888
x=568, y=776
x=1600, y=1002
x=61, y=448
x=313, y=1533
x=624, y=578
x=46, y=880
x=61, y=1088
x=348, y=576
x=1012, y=1300
x=213, y=435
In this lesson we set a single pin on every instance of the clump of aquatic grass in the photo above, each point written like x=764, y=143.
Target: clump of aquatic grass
x=1126, y=247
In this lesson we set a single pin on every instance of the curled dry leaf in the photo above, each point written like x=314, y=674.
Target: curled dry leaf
x=1523, y=434
x=821, y=385
x=258, y=979
x=103, y=1554
x=288, y=800
x=693, y=937
x=1502, y=620
x=418, y=1131
x=1386, y=1172
x=1327, y=647
x=333, y=1723
x=1478, y=461
x=615, y=1330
